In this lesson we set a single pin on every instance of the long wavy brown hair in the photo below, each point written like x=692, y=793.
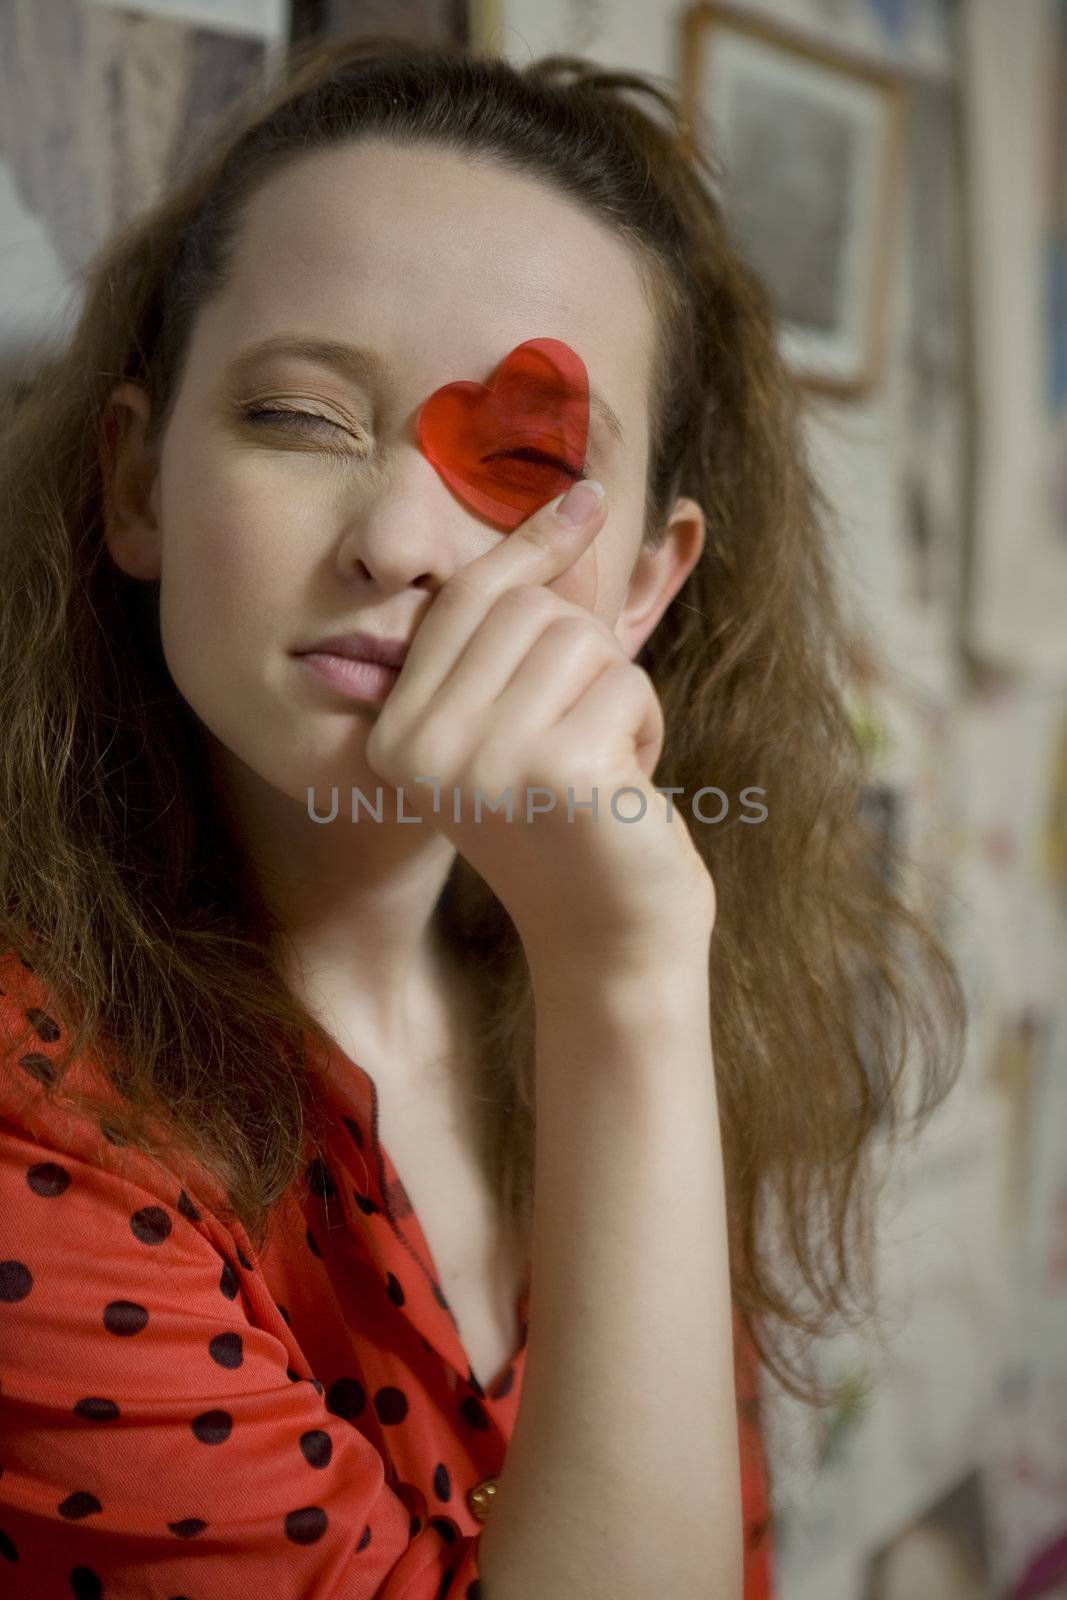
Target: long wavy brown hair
x=137, y=906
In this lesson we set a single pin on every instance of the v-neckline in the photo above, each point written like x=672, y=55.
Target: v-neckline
x=410, y=1227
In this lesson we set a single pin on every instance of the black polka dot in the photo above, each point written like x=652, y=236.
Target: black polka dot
x=228, y=1282
x=112, y=1134
x=364, y=1538
x=96, y=1410
x=79, y=1504
x=446, y=1528
x=474, y=1590
x=243, y=1259
x=294, y=1377
x=16, y=1280
x=227, y=1349
x=505, y=1385
x=355, y=1130
x=151, y=1224
x=187, y=1209
x=413, y=1526
x=365, y=1203
x=475, y=1385
x=347, y=1398
x=84, y=1584
x=312, y=1246
x=320, y=1180
x=398, y=1199
x=474, y=1413
x=285, y=1313
x=188, y=1528
x=439, y=1296
x=394, y=1291
x=48, y=1178
x=213, y=1427
x=391, y=1404
x=306, y=1525
x=316, y=1385
x=317, y=1447
x=445, y=1584
x=39, y=1067
x=125, y=1317
x=442, y=1483
x=47, y=1027
x=8, y=1548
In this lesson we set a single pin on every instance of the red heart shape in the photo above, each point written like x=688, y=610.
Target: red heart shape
x=538, y=404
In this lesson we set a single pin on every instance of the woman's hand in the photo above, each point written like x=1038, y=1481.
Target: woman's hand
x=507, y=685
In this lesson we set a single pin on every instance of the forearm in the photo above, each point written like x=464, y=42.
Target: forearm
x=622, y=1478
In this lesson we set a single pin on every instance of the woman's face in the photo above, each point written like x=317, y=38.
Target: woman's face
x=266, y=539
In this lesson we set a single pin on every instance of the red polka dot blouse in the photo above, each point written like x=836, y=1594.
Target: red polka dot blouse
x=182, y=1418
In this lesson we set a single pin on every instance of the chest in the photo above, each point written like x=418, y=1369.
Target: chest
x=430, y=1136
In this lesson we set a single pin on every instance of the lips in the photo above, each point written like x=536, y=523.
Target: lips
x=538, y=400
x=361, y=647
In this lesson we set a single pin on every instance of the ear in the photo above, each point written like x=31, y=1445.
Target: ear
x=131, y=485
x=659, y=574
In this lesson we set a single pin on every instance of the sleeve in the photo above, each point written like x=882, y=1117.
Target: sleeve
x=154, y=1443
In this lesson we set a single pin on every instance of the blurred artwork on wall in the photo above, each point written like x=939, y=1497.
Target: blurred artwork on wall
x=941, y=1553
x=444, y=21
x=1056, y=291
x=811, y=140
x=262, y=19
x=99, y=104
x=936, y=416
x=1015, y=62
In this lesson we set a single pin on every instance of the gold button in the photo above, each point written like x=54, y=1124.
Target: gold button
x=480, y=1498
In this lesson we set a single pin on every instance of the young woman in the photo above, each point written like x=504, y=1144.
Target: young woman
x=383, y=1201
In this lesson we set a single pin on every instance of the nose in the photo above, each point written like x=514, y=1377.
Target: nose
x=410, y=530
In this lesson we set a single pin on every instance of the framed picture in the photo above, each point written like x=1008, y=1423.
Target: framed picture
x=1015, y=64
x=428, y=21
x=810, y=143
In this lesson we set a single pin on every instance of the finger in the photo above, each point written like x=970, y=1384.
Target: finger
x=516, y=623
x=553, y=674
x=537, y=551
x=622, y=697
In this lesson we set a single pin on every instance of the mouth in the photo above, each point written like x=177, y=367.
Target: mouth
x=366, y=647
x=354, y=677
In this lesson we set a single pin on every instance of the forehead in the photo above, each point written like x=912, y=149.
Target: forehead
x=441, y=263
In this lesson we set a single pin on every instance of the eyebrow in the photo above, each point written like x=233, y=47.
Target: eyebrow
x=359, y=364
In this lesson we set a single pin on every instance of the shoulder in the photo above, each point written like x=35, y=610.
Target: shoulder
x=162, y=1432
x=56, y=1108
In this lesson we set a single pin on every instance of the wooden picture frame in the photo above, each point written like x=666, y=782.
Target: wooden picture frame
x=810, y=141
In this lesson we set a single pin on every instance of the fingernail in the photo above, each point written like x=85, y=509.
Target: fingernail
x=581, y=501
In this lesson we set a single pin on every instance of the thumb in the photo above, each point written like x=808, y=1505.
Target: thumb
x=545, y=545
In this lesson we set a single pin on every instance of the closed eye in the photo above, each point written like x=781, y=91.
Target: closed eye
x=298, y=420
x=279, y=416
x=529, y=453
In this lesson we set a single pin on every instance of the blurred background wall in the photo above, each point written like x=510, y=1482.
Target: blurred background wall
x=898, y=170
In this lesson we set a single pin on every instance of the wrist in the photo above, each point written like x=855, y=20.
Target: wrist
x=626, y=984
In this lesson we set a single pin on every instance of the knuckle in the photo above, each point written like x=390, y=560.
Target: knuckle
x=528, y=599
x=574, y=628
